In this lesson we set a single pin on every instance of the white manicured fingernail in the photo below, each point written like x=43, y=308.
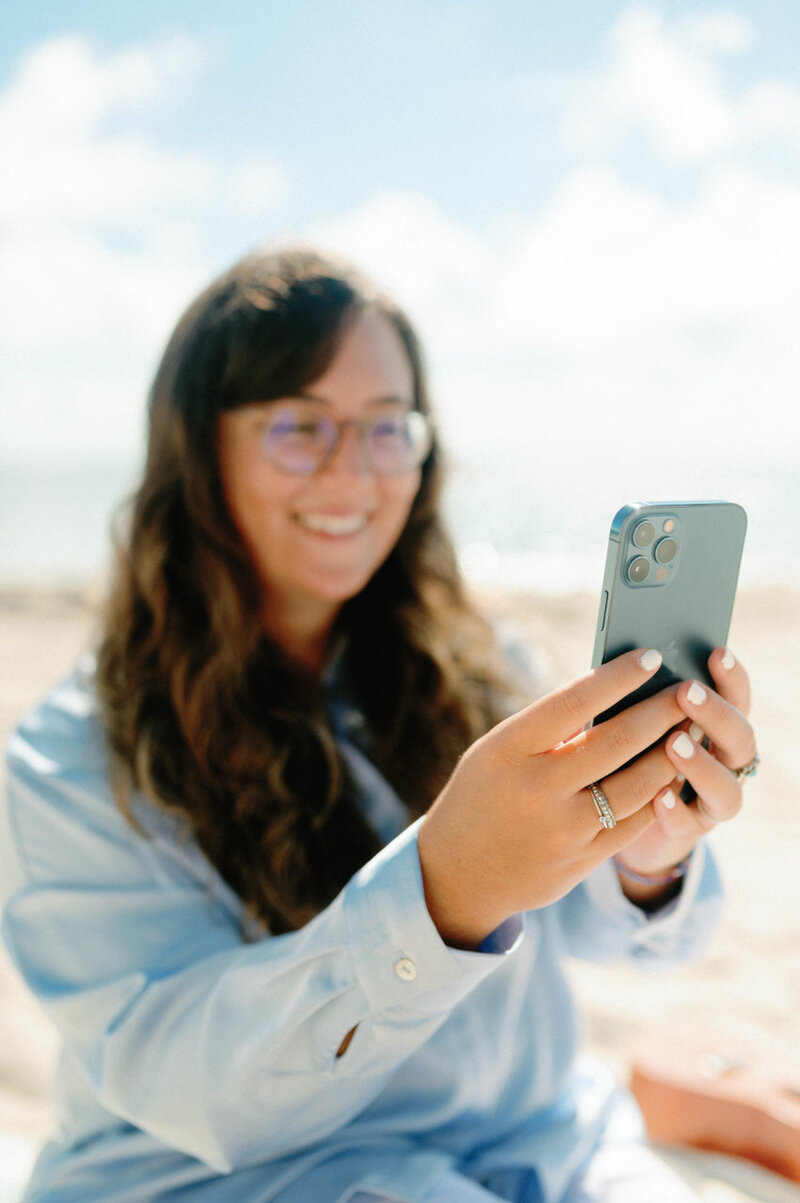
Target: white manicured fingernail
x=728, y=660
x=669, y=799
x=650, y=660
x=696, y=732
x=696, y=695
x=683, y=746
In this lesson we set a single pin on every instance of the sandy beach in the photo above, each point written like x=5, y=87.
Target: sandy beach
x=749, y=982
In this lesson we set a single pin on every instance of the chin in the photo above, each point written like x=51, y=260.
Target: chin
x=342, y=591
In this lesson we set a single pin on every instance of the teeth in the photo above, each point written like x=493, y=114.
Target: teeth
x=334, y=524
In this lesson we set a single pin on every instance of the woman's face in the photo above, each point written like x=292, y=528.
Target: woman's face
x=316, y=540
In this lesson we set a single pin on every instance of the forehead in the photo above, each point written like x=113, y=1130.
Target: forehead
x=369, y=363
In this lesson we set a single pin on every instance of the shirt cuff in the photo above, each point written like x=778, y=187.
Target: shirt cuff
x=400, y=958
x=504, y=938
x=650, y=931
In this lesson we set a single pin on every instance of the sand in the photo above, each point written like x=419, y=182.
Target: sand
x=747, y=985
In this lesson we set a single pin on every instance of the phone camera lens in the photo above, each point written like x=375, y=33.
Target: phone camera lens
x=665, y=551
x=638, y=570
x=644, y=534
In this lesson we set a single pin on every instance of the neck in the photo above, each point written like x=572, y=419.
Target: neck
x=302, y=629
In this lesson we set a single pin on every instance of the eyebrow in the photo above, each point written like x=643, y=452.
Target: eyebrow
x=391, y=399
x=258, y=405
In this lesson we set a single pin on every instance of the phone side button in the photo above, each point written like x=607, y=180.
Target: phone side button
x=604, y=610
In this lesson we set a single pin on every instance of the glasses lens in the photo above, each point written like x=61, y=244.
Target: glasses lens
x=298, y=440
x=398, y=442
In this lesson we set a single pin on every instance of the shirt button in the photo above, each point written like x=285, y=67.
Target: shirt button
x=405, y=969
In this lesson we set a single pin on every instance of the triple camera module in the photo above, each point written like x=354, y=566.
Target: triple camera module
x=654, y=548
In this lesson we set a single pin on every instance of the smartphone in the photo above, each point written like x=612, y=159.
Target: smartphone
x=669, y=583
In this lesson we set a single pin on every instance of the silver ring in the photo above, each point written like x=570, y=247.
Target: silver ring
x=748, y=770
x=603, y=807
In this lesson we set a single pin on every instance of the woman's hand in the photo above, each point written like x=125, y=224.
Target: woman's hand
x=720, y=715
x=515, y=827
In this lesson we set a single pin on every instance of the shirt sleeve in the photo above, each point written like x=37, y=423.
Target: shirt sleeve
x=221, y=1047
x=598, y=923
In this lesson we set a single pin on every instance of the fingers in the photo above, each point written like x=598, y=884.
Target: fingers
x=554, y=718
x=634, y=786
x=719, y=793
x=604, y=749
x=730, y=678
x=636, y=795
x=669, y=839
x=609, y=843
x=724, y=724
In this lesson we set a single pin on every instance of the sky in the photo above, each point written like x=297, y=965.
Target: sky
x=589, y=209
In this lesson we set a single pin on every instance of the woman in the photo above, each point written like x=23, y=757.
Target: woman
x=294, y=895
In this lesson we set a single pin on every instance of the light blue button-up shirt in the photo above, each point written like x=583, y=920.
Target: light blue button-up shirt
x=200, y=1053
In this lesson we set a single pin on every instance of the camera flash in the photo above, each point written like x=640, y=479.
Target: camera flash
x=661, y=575
x=669, y=526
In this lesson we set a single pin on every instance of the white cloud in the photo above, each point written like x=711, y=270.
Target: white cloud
x=608, y=307
x=67, y=124
x=610, y=314
x=435, y=267
x=722, y=32
x=109, y=182
x=66, y=293
x=89, y=283
x=103, y=232
x=607, y=261
x=664, y=79
x=770, y=110
x=684, y=316
x=255, y=183
x=62, y=88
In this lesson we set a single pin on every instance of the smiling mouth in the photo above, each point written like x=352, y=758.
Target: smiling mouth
x=333, y=524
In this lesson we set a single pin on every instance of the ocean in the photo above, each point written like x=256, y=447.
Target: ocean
x=540, y=526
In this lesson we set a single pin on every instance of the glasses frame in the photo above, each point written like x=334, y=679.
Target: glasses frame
x=362, y=426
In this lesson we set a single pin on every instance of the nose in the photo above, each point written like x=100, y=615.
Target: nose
x=349, y=458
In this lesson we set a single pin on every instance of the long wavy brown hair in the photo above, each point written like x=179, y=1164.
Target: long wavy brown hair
x=205, y=714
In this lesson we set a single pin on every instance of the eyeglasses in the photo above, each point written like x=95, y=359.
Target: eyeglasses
x=297, y=438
